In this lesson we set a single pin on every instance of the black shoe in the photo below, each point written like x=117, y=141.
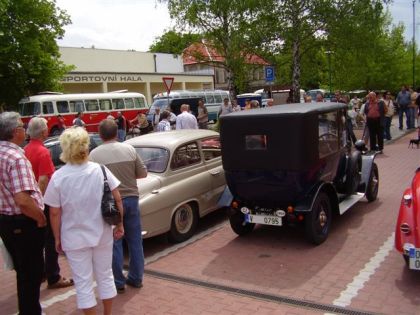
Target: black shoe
x=134, y=285
x=121, y=290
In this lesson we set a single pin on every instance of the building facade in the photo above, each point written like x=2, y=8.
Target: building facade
x=103, y=70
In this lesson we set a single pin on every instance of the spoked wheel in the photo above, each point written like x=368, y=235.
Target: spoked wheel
x=184, y=223
x=318, y=221
x=373, y=184
x=238, y=224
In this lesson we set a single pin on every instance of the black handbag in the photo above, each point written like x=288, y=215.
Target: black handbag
x=110, y=212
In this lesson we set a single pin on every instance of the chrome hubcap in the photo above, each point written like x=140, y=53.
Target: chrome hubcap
x=183, y=219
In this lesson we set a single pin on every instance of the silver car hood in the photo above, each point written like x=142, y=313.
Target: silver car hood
x=148, y=184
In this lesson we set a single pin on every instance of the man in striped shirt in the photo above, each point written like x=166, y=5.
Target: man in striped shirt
x=22, y=219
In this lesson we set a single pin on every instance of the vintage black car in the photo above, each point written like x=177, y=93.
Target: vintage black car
x=292, y=163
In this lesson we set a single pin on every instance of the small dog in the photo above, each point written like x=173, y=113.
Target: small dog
x=414, y=142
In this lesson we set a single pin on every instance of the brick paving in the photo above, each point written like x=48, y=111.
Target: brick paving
x=275, y=261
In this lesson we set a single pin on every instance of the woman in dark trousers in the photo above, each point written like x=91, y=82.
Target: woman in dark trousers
x=375, y=116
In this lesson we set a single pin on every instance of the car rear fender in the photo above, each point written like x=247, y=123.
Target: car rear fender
x=306, y=204
x=367, y=164
x=405, y=216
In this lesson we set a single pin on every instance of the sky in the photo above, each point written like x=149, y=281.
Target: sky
x=134, y=24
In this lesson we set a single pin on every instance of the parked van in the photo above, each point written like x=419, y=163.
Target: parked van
x=175, y=106
x=213, y=99
x=241, y=98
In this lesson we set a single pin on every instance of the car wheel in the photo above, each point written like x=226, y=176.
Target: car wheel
x=238, y=224
x=184, y=222
x=55, y=132
x=407, y=260
x=318, y=221
x=373, y=184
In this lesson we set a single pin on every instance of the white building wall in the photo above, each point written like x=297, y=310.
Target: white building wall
x=168, y=63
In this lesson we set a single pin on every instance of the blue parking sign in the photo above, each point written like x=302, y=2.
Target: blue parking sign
x=269, y=73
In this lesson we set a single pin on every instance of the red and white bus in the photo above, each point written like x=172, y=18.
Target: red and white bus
x=94, y=106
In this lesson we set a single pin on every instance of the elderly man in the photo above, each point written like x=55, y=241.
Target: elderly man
x=22, y=219
x=127, y=166
x=185, y=120
x=43, y=168
x=122, y=126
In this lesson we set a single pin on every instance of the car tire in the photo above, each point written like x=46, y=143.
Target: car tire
x=353, y=173
x=407, y=260
x=238, y=224
x=373, y=184
x=55, y=132
x=184, y=223
x=318, y=221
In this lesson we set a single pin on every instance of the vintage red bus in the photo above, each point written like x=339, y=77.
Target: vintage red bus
x=94, y=106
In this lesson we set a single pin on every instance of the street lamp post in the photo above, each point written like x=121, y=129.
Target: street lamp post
x=414, y=44
x=329, y=52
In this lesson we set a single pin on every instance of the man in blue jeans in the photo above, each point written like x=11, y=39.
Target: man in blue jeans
x=124, y=162
x=403, y=100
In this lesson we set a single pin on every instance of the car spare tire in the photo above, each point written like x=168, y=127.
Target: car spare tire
x=353, y=176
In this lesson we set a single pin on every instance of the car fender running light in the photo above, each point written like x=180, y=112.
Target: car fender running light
x=407, y=199
x=290, y=209
x=235, y=204
x=244, y=210
x=405, y=228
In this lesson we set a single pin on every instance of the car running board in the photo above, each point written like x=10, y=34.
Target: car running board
x=349, y=201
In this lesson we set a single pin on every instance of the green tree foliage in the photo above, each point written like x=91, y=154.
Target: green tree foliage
x=29, y=55
x=227, y=26
x=172, y=42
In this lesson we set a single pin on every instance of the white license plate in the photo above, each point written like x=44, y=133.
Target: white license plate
x=263, y=219
x=414, y=255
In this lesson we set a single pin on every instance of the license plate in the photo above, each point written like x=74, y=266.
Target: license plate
x=414, y=255
x=263, y=219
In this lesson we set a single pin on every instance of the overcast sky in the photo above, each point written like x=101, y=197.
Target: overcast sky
x=134, y=24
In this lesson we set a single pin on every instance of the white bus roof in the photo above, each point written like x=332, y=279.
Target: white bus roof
x=63, y=97
x=176, y=93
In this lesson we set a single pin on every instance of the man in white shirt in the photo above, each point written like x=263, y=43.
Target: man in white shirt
x=185, y=120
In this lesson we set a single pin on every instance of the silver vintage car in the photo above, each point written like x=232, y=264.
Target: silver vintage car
x=184, y=182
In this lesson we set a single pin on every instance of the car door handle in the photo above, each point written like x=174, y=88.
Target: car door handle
x=214, y=173
x=155, y=191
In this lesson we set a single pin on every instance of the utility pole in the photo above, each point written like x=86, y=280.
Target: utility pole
x=414, y=44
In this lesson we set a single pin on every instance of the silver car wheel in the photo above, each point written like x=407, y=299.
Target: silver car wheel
x=183, y=218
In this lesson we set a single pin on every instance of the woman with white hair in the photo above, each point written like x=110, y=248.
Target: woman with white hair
x=74, y=195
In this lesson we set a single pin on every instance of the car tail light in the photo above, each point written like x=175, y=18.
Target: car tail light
x=300, y=217
x=405, y=228
x=407, y=199
x=235, y=204
x=244, y=210
x=290, y=209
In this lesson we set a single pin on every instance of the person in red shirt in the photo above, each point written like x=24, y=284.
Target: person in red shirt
x=375, y=112
x=43, y=168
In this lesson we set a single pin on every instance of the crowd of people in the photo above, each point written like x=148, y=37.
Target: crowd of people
x=45, y=212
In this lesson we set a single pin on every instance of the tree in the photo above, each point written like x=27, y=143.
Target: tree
x=227, y=26
x=29, y=55
x=172, y=42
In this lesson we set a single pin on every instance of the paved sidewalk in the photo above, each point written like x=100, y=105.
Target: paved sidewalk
x=275, y=271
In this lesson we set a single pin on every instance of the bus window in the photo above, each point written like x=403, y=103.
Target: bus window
x=105, y=104
x=139, y=102
x=31, y=109
x=129, y=103
x=118, y=103
x=91, y=105
x=76, y=106
x=217, y=98
x=47, y=108
x=62, y=106
x=209, y=98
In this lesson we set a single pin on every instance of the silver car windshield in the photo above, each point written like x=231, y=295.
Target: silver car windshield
x=155, y=159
